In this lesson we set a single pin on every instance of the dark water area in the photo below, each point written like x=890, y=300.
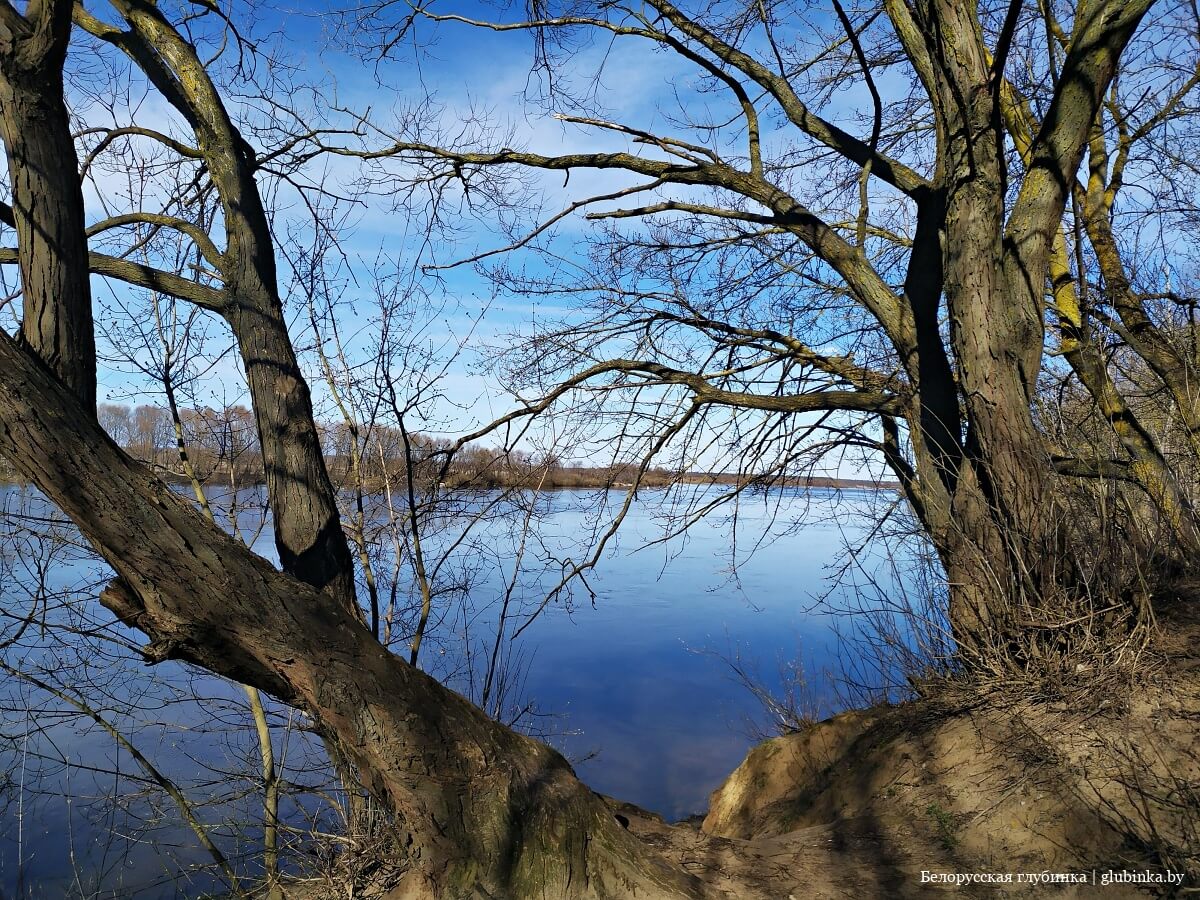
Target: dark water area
x=632, y=682
x=643, y=678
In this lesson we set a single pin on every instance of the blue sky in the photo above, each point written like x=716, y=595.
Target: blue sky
x=469, y=72
x=466, y=72
x=462, y=68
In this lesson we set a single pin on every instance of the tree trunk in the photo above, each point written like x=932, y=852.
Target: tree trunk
x=481, y=810
x=308, y=530
x=47, y=211
x=987, y=515
x=308, y=526
x=993, y=514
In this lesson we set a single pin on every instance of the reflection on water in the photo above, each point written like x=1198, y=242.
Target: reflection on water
x=639, y=675
x=631, y=685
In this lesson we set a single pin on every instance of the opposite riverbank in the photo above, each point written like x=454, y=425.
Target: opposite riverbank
x=562, y=479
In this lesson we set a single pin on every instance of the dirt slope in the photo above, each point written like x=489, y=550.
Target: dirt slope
x=1098, y=776
x=1091, y=776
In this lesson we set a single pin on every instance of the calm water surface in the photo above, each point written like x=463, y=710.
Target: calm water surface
x=635, y=683
x=642, y=676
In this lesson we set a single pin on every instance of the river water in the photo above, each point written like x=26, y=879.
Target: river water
x=632, y=680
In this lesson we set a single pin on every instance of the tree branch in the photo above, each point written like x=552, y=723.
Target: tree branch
x=207, y=248
x=889, y=170
x=143, y=276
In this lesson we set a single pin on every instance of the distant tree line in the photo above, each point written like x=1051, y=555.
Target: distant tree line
x=219, y=442
x=222, y=444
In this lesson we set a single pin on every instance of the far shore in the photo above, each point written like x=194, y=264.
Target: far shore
x=559, y=480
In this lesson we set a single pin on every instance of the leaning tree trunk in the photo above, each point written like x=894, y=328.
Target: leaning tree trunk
x=481, y=810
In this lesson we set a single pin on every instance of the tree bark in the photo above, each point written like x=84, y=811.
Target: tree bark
x=47, y=201
x=986, y=474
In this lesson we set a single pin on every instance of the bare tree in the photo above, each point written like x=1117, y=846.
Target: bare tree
x=934, y=363
x=476, y=808
x=802, y=289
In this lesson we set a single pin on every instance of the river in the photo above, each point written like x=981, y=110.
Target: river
x=633, y=682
